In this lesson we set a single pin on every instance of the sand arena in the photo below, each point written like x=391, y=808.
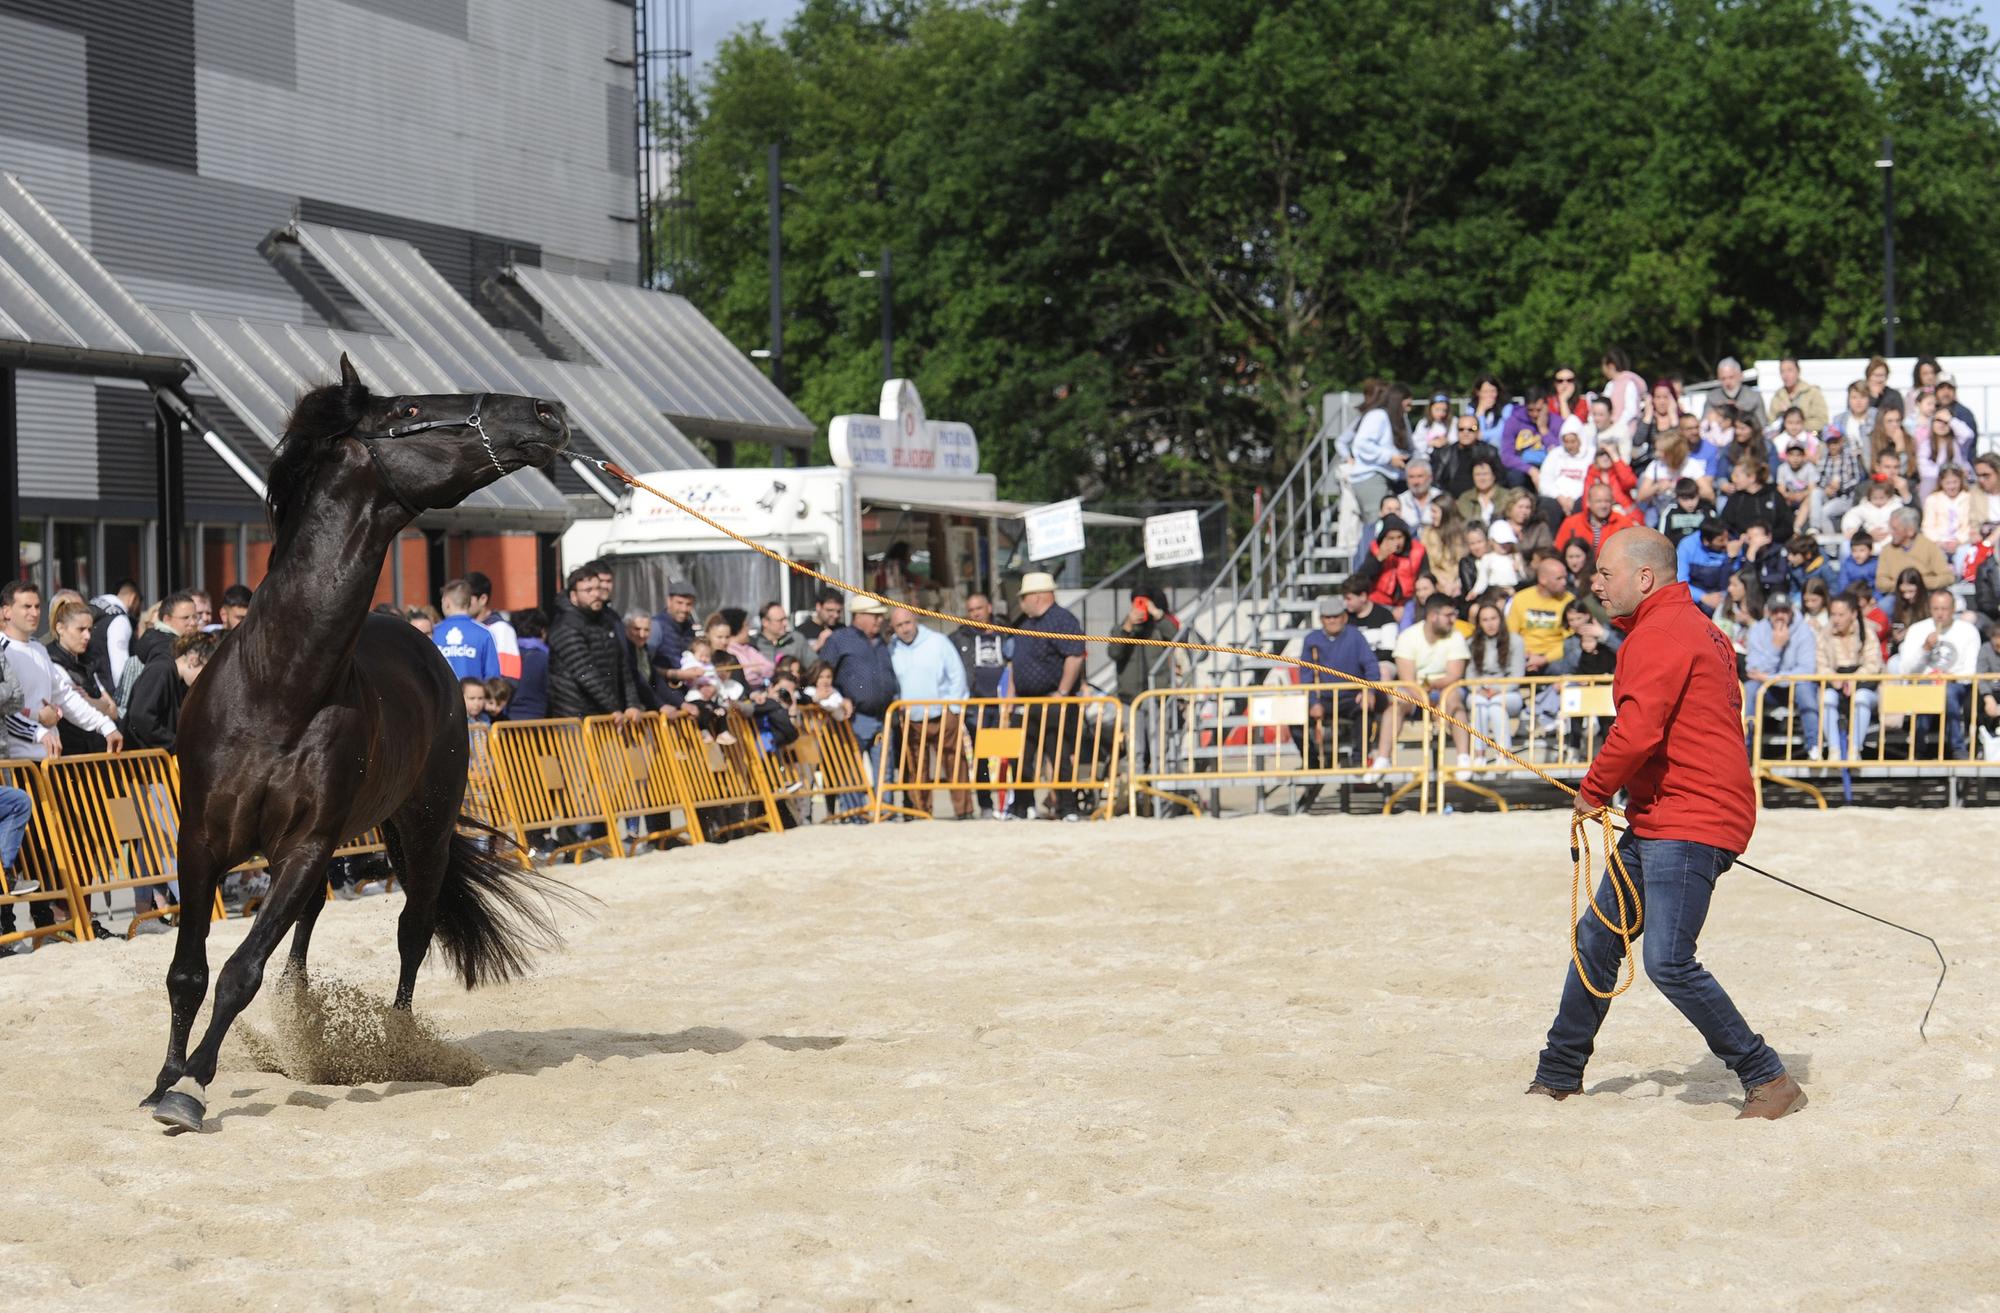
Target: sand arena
x=1261, y=1064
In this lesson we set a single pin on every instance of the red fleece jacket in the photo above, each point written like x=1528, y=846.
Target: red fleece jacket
x=1676, y=746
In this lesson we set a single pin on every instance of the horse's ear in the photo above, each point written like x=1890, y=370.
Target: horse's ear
x=348, y=378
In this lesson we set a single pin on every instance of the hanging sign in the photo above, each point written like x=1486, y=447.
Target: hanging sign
x=1055, y=529
x=899, y=440
x=1173, y=539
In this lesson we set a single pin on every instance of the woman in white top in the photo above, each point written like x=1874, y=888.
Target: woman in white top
x=1496, y=654
x=1948, y=518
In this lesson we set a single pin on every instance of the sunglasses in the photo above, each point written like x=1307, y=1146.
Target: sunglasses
x=1565, y=378
x=1468, y=428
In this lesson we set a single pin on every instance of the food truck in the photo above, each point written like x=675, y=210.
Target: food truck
x=904, y=510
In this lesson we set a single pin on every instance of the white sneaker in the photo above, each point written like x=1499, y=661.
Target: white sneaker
x=1375, y=769
x=1465, y=761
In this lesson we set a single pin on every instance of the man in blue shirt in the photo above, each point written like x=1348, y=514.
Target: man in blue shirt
x=673, y=630
x=467, y=647
x=1048, y=664
x=930, y=677
x=1335, y=713
x=866, y=677
x=1705, y=564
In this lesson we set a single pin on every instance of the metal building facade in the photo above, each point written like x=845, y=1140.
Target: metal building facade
x=172, y=137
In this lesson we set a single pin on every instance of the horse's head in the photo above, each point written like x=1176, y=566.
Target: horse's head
x=422, y=452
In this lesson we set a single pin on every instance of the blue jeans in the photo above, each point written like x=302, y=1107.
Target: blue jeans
x=16, y=808
x=1805, y=708
x=867, y=733
x=1676, y=879
x=1864, y=701
x=1957, y=713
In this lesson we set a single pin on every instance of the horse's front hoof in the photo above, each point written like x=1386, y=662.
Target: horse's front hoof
x=181, y=1107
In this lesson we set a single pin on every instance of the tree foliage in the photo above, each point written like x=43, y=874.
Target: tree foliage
x=1135, y=241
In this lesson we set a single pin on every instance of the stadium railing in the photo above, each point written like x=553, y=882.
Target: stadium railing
x=825, y=761
x=1558, y=726
x=550, y=784
x=39, y=866
x=1042, y=745
x=1190, y=740
x=116, y=819
x=640, y=782
x=1922, y=727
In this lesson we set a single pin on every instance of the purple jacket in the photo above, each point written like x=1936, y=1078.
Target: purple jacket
x=1513, y=454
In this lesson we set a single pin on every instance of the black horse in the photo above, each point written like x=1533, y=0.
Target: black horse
x=316, y=721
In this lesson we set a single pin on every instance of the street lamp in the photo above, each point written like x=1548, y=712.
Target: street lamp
x=885, y=277
x=1888, y=166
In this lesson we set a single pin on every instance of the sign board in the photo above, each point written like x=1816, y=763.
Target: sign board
x=899, y=440
x=1055, y=529
x=1173, y=539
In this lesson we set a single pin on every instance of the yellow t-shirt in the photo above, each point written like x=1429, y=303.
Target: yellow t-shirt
x=1538, y=619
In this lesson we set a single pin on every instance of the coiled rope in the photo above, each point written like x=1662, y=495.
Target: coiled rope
x=1581, y=852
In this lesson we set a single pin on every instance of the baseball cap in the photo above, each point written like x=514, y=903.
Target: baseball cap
x=1330, y=604
x=680, y=588
x=1502, y=532
x=1439, y=396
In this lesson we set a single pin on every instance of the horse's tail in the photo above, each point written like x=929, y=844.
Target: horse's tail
x=494, y=911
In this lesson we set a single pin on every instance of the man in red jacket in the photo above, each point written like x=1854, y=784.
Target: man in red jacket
x=1595, y=521
x=1676, y=749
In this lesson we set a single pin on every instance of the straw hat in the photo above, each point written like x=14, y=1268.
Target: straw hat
x=1037, y=581
x=867, y=606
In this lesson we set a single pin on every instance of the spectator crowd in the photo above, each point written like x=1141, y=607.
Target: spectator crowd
x=1851, y=541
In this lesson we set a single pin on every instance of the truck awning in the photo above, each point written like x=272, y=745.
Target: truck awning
x=1003, y=510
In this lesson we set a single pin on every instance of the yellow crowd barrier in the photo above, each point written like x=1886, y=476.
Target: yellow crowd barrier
x=1802, y=728
x=118, y=822
x=1188, y=739
x=640, y=783
x=549, y=782
x=36, y=881
x=825, y=761
x=722, y=784
x=1068, y=747
x=1558, y=722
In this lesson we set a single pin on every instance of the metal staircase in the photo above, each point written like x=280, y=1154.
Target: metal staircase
x=1297, y=548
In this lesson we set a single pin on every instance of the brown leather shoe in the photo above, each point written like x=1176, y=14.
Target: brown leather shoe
x=1773, y=1099
x=1551, y=1091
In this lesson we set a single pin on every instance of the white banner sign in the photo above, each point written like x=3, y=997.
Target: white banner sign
x=899, y=440
x=1173, y=539
x=1055, y=529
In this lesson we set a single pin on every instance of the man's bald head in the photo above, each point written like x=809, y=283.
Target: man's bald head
x=1633, y=566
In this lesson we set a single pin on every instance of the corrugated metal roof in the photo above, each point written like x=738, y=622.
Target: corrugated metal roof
x=58, y=306
x=681, y=362
x=402, y=289
x=259, y=370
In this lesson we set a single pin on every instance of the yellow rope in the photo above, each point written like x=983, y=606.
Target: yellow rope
x=1579, y=832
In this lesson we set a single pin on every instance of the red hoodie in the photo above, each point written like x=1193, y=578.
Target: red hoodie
x=1676, y=746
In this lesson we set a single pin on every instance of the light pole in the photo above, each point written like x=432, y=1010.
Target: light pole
x=883, y=275
x=1888, y=166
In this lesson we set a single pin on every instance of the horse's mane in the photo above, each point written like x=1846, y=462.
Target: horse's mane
x=321, y=416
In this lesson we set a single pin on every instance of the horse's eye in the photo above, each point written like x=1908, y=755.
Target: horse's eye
x=410, y=411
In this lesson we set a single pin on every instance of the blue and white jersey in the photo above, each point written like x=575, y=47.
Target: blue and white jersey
x=468, y=648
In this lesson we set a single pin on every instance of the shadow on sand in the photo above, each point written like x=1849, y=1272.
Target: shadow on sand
x=1707, y=1081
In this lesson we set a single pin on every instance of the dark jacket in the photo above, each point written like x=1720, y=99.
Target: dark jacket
x=669, y=644
x=155, y=712
x=861, y=670
x=1744, y=508
x=1451, y=464
x=1135, y=664
x=982, y=680
x=588, y=671
x=154, y=645
x=83, y=674
x=531, y=694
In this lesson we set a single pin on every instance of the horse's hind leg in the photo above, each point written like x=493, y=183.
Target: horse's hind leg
x=297, y=876
x=187, y=977
x=295, y=962
x=422, y=850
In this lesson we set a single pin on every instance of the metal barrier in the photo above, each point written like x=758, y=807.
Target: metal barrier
x=485, y=800
x=118, y=827
x=640, y=783
x=549, y=782
x=825, y=761
x=717, y=777
x=1557, y=722
x=1209, y=738
x=36, y=880
x=1069, y=747
x=1803, y=727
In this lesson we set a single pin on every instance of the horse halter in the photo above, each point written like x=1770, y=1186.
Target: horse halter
x=472, y=421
